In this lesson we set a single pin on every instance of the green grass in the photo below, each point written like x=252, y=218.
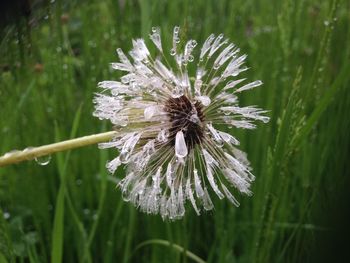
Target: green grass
x=71, y=211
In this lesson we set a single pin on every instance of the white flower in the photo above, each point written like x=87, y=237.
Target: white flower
x=168, y=121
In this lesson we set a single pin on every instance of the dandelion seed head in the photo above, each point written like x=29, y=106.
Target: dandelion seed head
x=168, y=120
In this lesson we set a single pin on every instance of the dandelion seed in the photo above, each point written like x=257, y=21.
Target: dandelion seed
x=168, y=121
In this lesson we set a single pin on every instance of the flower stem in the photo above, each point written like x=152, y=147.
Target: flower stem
x=35, y=152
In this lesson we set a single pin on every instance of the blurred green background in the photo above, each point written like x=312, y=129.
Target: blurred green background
x=53, y=53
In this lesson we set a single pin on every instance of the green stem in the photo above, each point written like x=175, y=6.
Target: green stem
x=36, y=152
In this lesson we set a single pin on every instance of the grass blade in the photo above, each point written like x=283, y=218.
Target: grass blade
x=58, y=229
x=176, y=247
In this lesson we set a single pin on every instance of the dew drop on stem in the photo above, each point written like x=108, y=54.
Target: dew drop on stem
x=43, y=160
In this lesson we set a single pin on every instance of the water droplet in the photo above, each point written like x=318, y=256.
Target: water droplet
x=106, y=36
x=11, y=153
x=6, y=215
x=180, y=160
x=126, y=195
x=219, y=143
x=125, y=79
x=43, y=160
x=28, y=149
x=177, y=92
x=95, y=216
x=92, y=44
x=124, y=122
x=78, y=182
x=205, y=100
x=181, y=150
x=194, y=118
x=265, y=119
x=124, y=156
x=161, y=137
x=172, y=52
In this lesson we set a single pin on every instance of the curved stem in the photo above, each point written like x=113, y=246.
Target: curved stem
x=35, y=152
x=172, y=245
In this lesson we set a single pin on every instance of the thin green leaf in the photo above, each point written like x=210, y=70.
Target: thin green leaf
x=176, y=247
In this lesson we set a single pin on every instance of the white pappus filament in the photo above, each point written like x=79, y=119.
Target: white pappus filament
x=168, y=118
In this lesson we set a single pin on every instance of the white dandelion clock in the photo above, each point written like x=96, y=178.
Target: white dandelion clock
x=169, y=119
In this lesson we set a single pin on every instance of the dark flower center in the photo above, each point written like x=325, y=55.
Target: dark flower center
x=186, y=116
